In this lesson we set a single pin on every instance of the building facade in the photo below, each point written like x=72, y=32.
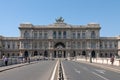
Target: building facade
x=60, y=40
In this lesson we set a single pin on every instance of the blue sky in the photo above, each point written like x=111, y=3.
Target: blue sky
x=44, y=12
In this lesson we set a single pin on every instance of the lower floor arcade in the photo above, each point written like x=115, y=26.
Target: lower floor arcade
x=60, y=53
x=68, y=53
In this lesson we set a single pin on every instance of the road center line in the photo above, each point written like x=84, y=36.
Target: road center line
x=100, y=76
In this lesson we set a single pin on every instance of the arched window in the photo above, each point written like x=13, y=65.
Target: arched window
x=74, y=53
x=45, y=53
x=93, y=54
x=83, y=53
x=13, y=54
x=101, y=55
x=93, y=34
x=106, y=55
x=26, y=54
x=35, y=53
x=111, y=54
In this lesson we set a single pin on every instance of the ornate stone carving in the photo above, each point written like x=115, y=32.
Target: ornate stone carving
x=60, y=19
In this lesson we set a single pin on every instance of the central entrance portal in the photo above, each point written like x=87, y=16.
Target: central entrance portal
x=59, y=50
x=59, y=54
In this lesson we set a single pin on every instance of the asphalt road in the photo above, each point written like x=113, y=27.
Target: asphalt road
x=82, y=71
x=41, y=70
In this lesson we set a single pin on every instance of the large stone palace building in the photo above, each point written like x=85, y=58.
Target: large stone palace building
x=59, y=40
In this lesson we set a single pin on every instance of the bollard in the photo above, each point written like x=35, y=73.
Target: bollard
x=107, y=61
x=119, y=62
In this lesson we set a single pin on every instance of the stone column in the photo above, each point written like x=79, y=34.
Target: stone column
x=50, y=55
x=97, y=54
x=57, y=34
x=0, y=54
x=49, y=44
x=30, y=53
x=21, y=53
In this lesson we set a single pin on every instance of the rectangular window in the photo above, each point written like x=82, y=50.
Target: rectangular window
x=73, y=35
x=73, y=45
x=83, y=45
x=35, y=35
x=54, y=35
x=40, y=35
x=40, y=45
x=45, y=35
x=13, y=45
x=105, y=45
x=35, y=45
x=46, y=45
x=93, y=34
x=25, y=45
x=8, y=46
x=64, y=34
x=110, y=45
x=83, y=35
x=78, y=35
x=93, y=45
x=78, y=45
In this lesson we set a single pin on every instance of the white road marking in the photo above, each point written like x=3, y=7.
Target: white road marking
x=65, y=77
x=77, y=71
x=100, y=71
x=55, y=68
x=100, y=76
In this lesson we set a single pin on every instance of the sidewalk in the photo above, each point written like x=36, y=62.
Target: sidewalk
x=4, y=68
x=105, y=66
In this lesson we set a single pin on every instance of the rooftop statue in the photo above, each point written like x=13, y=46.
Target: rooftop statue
x=60, y=19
